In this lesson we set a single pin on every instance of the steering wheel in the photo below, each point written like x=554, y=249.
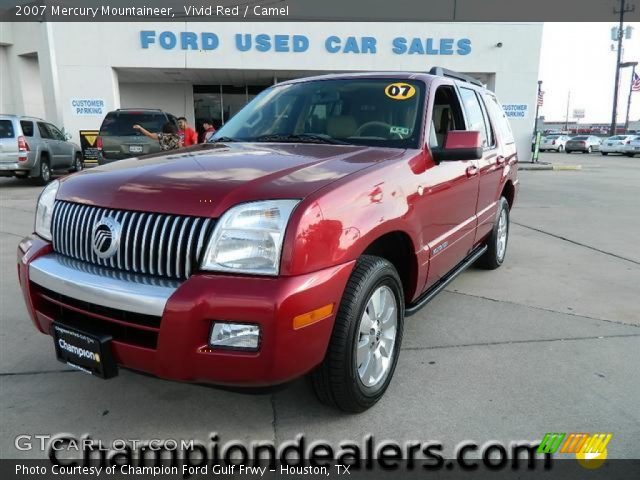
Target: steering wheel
x=375, y=124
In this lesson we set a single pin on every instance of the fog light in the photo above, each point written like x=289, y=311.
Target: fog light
x=235, y=335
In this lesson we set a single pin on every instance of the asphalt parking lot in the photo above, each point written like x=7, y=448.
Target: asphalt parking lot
x=550, y=342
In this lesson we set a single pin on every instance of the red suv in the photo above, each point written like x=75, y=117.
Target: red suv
x=296, y=242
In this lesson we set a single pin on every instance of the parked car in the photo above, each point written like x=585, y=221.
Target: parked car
x=555, y=143
x=583, y=143
x=118, y=139
x=632, y=147
x=33, y=148
x=615, y=144
x=296, y=242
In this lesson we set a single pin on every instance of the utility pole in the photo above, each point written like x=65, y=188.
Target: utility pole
x=624, y=8
x=566, y=117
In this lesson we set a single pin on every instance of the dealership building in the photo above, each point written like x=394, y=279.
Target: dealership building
x=72, y=74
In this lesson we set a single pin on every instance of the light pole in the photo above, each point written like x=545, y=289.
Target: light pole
x=536, y=145
x=623, y=9
x=633, y=72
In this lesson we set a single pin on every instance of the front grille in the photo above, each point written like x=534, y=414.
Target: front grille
x=150, y=243
x=126, y=327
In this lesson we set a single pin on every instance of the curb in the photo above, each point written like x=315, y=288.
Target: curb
x=567, y=167
x=548, y=167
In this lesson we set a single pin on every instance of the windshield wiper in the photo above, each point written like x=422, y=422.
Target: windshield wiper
x=224, y=140
x=298, y=138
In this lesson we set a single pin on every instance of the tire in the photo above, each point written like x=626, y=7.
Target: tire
x=630, y=155
x=44, y=173
x=560, y=148
x=496, y=251
x=78, y=164
x=604, y=153
x=341, y=380
x=589, y=150
x=568, y=151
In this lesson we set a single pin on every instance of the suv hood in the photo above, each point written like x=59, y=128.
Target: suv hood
x=206, y=180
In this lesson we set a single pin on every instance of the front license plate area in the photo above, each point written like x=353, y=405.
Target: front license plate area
x=135, y=148
x=87, y=352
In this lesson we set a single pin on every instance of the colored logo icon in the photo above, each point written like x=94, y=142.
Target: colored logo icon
x=590, y=449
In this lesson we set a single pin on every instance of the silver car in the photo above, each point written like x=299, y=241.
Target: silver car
x=33, y=148
x=615, y=144
x=632, y=147
x=554, y=142
x=583, y=143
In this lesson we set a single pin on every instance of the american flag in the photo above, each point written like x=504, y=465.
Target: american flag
x=635, y=82
x=540, y=98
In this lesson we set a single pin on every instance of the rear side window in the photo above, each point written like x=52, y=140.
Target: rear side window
x=501, y=120
x=6, y=129
x=44, y=131
x=475, y=117
x=27, y=128
x=121, y=124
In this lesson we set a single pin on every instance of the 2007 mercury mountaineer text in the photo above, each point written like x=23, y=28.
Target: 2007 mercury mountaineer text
x=296, y=242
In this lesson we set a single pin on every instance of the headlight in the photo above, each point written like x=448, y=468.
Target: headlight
x=248, y=238
x=44, y=212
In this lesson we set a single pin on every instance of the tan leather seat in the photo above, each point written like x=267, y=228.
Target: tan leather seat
x=341, y=126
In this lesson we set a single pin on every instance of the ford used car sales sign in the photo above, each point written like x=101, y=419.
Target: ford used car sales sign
x=245, y=42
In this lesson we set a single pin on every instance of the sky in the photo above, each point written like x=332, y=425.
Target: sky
x=577, y=57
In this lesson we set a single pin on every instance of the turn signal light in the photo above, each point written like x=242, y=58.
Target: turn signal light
x=312, y=317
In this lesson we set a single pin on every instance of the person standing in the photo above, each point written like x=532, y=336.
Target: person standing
x=187, y=134
x=207, y=125
x=168, y=138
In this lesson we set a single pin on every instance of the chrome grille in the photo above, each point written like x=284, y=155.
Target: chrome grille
x=150, y=243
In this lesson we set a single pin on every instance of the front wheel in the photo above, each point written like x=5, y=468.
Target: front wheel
x=589, y=150
x=365, y=343
x=605, y=153
x=560, y=148
x=497, y=241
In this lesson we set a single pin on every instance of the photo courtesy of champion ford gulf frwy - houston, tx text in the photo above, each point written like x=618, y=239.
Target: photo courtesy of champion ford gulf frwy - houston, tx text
x=299, y=239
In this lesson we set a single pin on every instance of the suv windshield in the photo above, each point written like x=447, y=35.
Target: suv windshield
x=121, y=123
x=376, y=112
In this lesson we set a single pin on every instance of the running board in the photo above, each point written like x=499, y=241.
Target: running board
x=437, y=287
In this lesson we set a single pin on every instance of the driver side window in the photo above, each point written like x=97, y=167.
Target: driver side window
x=447, y=116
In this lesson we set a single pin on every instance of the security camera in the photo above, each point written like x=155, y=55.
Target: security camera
x=499, y=44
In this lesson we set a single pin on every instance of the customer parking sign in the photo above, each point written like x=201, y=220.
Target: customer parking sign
x=87, y=106
x=516, y=110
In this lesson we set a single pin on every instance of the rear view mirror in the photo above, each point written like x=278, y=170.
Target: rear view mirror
x=459, y=145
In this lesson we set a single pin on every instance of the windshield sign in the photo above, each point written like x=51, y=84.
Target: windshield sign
x=374, y=112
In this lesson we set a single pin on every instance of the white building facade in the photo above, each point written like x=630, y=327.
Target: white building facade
x=72, y=74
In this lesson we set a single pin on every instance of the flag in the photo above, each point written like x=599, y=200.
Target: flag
x=635, y=82
x=540, y=98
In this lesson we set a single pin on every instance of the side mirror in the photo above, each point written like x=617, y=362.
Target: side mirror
x=459, y=145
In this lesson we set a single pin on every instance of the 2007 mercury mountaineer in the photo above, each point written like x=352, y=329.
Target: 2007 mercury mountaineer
x=321, y=215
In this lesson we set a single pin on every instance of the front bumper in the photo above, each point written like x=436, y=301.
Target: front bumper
x=162, y=328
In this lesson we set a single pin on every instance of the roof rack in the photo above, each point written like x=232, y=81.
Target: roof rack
x=445, y=72
x=141, y=109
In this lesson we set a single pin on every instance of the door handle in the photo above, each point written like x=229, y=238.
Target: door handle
x=500, y=160
x=471, y=171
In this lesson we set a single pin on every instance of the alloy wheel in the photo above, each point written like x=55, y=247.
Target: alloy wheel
x=377, y=337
